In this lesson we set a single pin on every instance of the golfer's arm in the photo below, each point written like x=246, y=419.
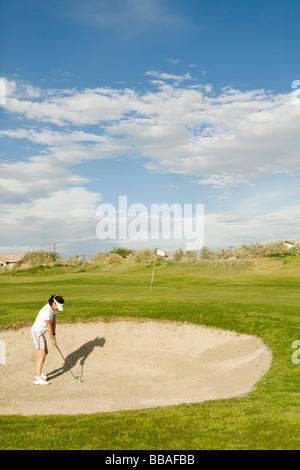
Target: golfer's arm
x=54, y=324
x=49, y=326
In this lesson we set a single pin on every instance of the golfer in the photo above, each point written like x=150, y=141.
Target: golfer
x=45, y=321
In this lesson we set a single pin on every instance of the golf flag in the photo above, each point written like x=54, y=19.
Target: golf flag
x=158, y=252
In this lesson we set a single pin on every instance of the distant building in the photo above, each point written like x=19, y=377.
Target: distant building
x=291, y=243
x=10, y=259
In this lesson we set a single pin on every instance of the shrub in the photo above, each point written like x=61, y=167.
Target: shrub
x=76, y=260
x=275, y=248
x=295, y=251
x=179, y=254
x=207, y=253
x=39, y=258
x=99, y=257
x=124, y=252
x=190, y=255
x=144, y=256
x=114, y=258
x=224, y=253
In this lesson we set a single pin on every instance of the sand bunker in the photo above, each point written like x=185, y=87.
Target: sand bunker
x=128, y=365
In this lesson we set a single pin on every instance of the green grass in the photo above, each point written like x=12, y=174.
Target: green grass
x=259, y=297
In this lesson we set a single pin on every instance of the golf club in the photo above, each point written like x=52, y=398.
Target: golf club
x=76, y=378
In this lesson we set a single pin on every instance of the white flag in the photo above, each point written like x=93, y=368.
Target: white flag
x=160, y=252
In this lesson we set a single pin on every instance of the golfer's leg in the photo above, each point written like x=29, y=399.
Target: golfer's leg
x=42, y=353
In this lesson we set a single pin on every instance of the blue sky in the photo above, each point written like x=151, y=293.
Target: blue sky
x=165, y=101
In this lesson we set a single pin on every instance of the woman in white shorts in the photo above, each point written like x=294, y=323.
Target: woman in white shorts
x=45, y=321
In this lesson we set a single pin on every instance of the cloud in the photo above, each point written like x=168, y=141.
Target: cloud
x=221, y=138
x=62, y=107
x=66, y=215
x=238, y=230
x=23, y=180
x=221, y=181
x=168, y=76
x=20, y=89
x=119, y=15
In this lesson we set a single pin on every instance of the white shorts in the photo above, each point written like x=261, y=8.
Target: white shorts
x=38, y=339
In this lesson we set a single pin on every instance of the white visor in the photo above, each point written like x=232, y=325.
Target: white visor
x=59, y=306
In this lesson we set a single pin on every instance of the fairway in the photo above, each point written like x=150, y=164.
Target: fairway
x=260, y=299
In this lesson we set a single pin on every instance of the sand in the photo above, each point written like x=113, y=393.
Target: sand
x=129, y=365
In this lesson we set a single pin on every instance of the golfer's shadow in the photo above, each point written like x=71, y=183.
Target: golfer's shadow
x=81, y=354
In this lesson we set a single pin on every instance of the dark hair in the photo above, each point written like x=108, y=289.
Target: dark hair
x=59, y=299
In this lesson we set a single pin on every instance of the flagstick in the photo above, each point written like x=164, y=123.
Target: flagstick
x=153, y=273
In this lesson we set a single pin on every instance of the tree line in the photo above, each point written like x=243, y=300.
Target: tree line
x=119, y=255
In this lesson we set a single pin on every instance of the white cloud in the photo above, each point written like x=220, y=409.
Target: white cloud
x=221, y=138
x=221, y=181
x=233, y=230
x=124, y=17
x=61, y=107
x=232, y=136
x=41, y=173
x=20, y=89
x=23, y=181
x=50, y=137
x=64, y=216
x=168, y=76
